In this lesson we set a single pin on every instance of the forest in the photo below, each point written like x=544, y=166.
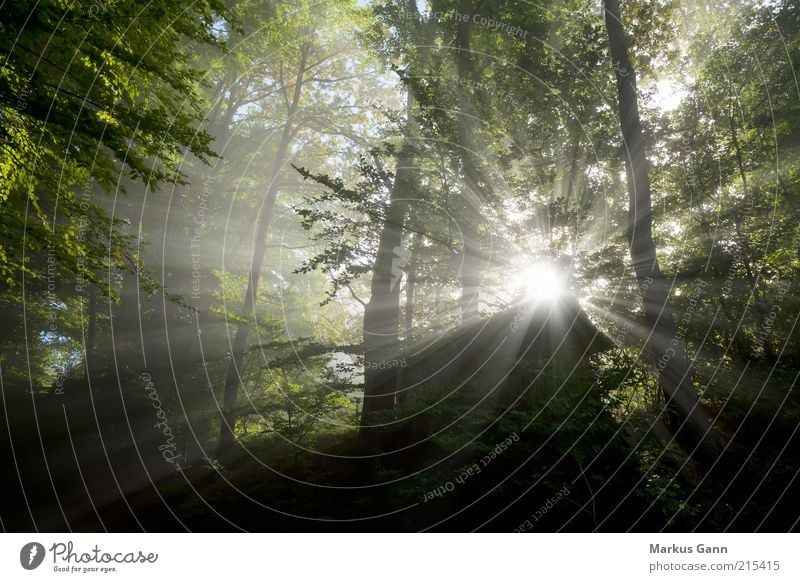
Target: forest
x=400, y=265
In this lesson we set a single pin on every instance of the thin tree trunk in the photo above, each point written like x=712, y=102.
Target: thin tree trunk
x=737, y=334
x=91, y=332
x=690, y=422
x=411, y=283
x=471, y=252
x=127, y=352
x=233, y=377
x=470, y=272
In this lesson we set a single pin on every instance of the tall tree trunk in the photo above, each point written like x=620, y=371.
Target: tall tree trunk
x=408, y=315
x=233, y=377
x=382, y=312
x=469, y=143
x=690, y=422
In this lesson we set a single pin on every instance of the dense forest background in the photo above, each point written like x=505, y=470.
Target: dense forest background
x=349, y=265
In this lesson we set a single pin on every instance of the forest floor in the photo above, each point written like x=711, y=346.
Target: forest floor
x=593, y=473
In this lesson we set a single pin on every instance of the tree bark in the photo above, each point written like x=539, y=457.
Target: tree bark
x=470, y=216
x=470, y=272
x=689, y=421
x=91, y=332
x=382, y=312
x=233, y=376
x=411, y=284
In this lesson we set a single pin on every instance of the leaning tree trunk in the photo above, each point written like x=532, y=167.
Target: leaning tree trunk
x=233, y=376
x=688, y=417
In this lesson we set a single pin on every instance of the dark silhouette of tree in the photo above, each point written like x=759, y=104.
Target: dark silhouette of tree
x=687, y=415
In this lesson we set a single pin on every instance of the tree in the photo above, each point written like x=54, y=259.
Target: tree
x=300, y=75
x=232, y=377
x=382, y=312
x=690, y=422
x=84, y=97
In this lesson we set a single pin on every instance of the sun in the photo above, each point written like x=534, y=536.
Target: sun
x=541, y=281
